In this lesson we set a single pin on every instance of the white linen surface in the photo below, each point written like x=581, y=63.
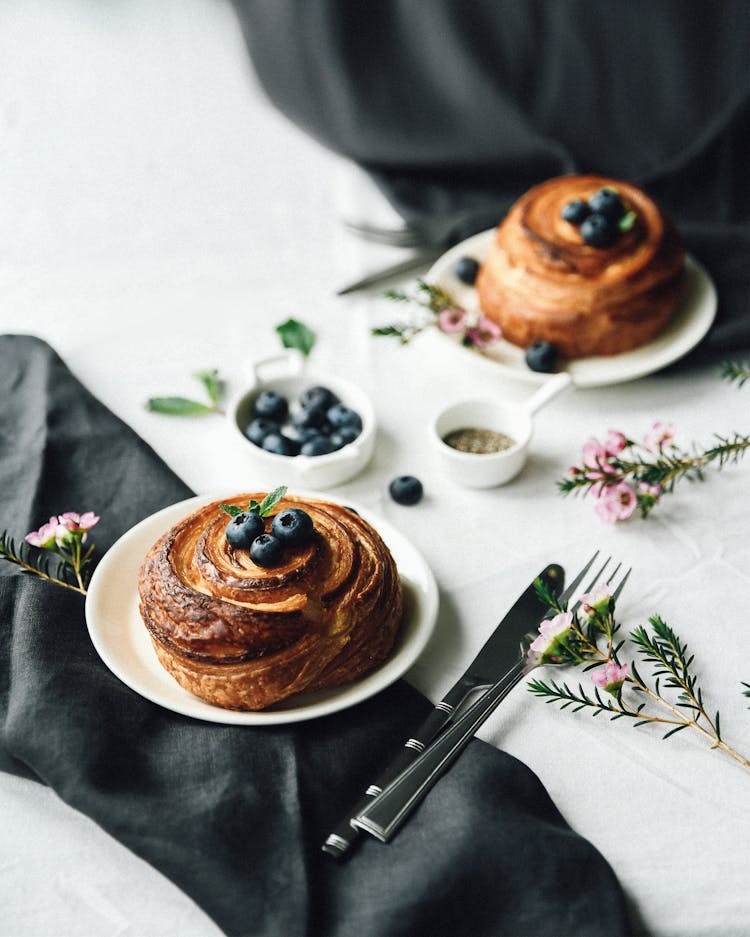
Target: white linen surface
x=158, y=217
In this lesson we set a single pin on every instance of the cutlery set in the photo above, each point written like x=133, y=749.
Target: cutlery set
x=500, y=664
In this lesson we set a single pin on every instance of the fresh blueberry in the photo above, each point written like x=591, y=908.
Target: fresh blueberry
x=292, y=527
x=576, y=211
x=318, y=397
x=406, y=489
x=542, y=356
x=466, y=270
x=280, y=444
x=339, y=416
x=318, y=445
x=271, y=406
x=345, y=435
x=257, y=431
x=599, y=231
x=310, y=432
x=313, y=416
x=243, y=529
x=608, y=203
x=266, y=550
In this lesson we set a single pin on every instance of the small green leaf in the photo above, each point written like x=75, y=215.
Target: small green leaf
x=177, y=406
x=627, y=221
x=253, y=506
x=266, y=505
x=231, y=509
x=213, y=384
x=294, y=334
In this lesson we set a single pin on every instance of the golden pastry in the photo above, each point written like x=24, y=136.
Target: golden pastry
x=541, y=281
x=243, y=636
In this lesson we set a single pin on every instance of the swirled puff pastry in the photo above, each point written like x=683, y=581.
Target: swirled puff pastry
x=540, y=281
x=244, y=637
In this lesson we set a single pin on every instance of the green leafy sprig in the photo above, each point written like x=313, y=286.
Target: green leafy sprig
x=733, y=371
x=427, y=296
x=184, y=406
x=263, y=508
x=670, y=696
x=52, y=566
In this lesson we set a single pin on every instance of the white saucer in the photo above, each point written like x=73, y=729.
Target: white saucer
x=686, y=328
x=123, y=643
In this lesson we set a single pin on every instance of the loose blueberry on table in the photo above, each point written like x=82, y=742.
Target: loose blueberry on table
x=243, y=529
x=406, y=489
x=542, y=357
x=466, y=270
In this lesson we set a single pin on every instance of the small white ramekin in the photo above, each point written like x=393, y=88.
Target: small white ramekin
x=488, y=470
x=289, y=375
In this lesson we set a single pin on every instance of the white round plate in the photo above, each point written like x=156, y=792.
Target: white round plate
x=686, y=328
x=123, y=643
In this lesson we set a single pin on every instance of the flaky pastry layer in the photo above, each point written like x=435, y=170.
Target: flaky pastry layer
x=540, y=281
x=242, y=636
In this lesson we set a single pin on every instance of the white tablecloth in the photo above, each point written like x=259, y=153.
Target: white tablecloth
x=158, y=217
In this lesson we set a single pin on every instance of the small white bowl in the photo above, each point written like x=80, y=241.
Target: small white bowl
x=288, y=375
x=490, y=469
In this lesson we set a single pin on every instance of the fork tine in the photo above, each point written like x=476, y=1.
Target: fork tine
x=578, y=580
x=621, y=586
x=596, y=578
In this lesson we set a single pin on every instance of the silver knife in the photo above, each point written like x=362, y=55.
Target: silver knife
x=394, y=270
x=479, y=675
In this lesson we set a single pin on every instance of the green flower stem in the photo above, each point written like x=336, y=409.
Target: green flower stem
x=80, y=588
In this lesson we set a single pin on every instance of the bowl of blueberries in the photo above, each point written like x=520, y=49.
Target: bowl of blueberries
x=309, y=429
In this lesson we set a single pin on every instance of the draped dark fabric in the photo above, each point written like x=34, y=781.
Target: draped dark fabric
x=456, y=107
x=236, y=815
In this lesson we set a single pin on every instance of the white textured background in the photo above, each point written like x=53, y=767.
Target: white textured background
x=157, y=217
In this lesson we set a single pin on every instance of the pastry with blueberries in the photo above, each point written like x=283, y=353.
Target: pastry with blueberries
x=254, y=599
x=585, y=264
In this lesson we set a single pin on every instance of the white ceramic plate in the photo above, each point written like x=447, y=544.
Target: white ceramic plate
x=123, y=643
x=687, y=327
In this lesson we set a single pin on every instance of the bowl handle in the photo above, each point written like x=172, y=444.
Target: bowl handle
x=288, y=364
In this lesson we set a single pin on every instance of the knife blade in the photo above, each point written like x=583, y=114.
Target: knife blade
x=481, y=673
x=422, y=259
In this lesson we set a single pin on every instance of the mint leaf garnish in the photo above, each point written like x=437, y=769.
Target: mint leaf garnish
x=231, y=509
x=177, y=406
x=294, y=334
x=627, y=221
x=267, y=504
x=253, y=506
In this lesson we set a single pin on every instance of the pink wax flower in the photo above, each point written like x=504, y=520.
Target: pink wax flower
x=615, y=503
x=452, y=319
x=659, y=436
x=73, y=526
x=597, y=602
x=74, y=521
x=595, y=456
x=46, y=536
x=484, y=333
x=615, y=442
x=654, y=491
x=552, y=633
x=611, y=677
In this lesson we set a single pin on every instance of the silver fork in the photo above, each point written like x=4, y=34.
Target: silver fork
x=389, y=810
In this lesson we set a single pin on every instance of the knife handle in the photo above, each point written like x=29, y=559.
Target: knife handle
x=389, y=810
x=344, y=835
